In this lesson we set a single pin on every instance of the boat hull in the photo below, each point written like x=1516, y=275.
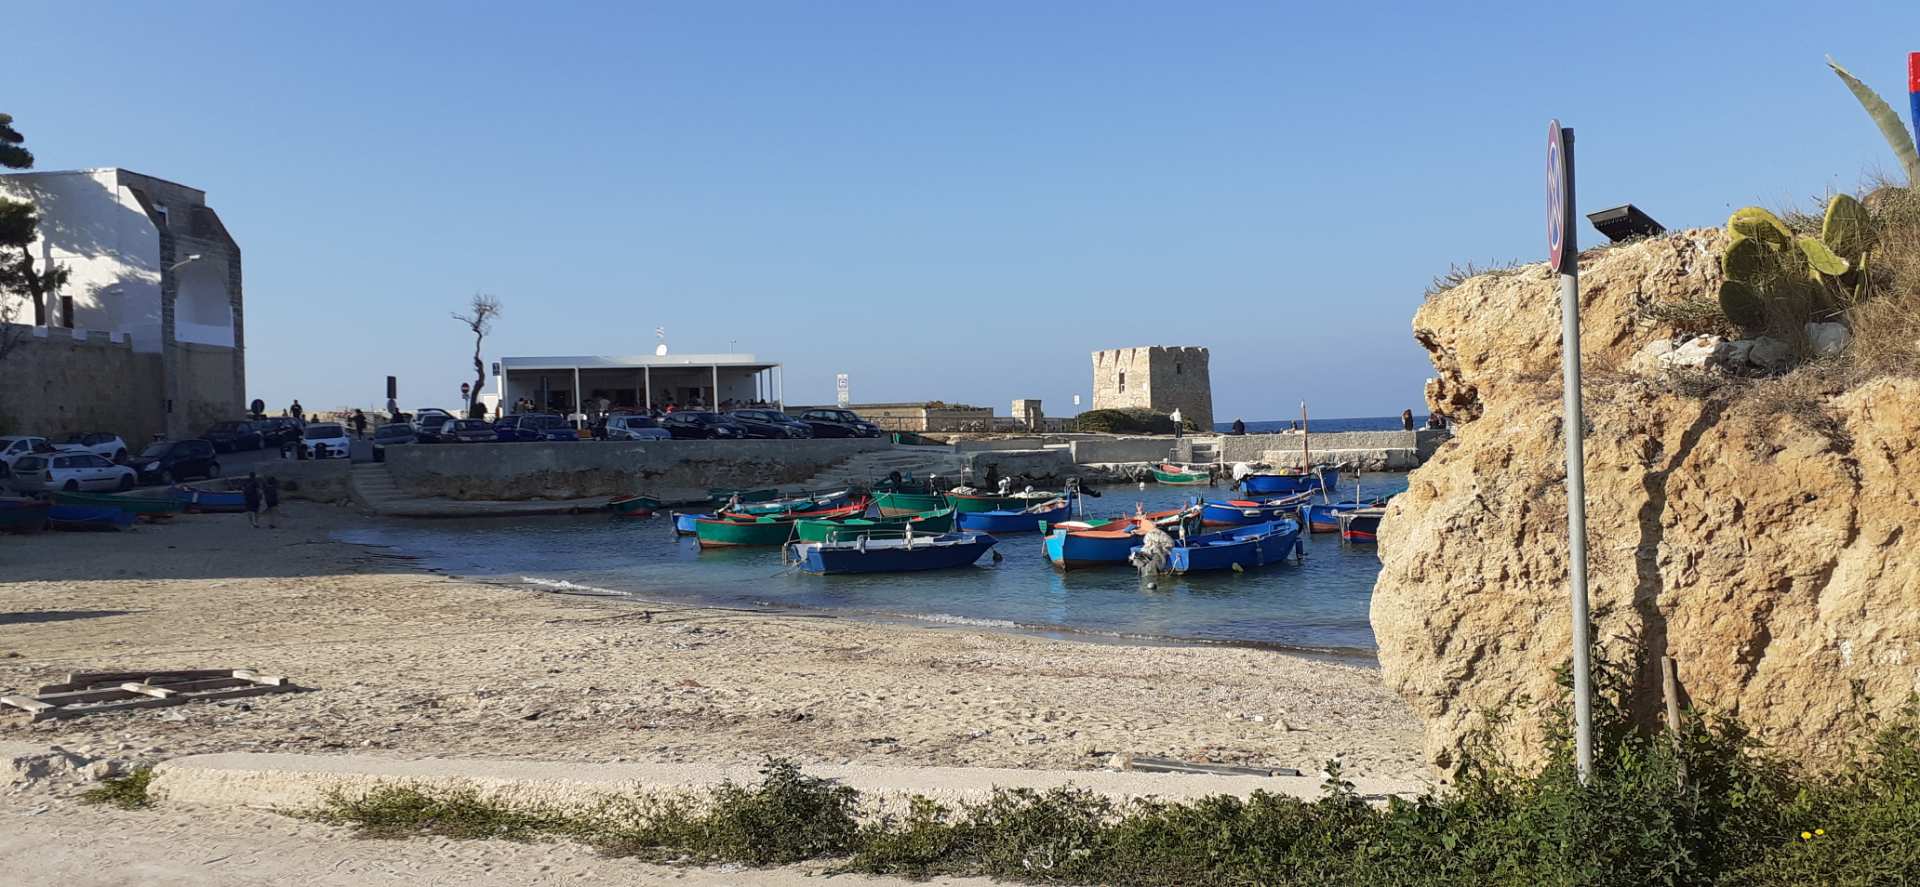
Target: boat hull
x=634, y=506
x=88, y=517
x=1082, y=549
x=22, y=515
x=722, y=497
x=1282, y=484
x=1361, y=526
x=1011, y=521
x=972, y=503
x=1324, y=517
x=722, y=533
x=1248, y=548
x=944, y=552
x=211, y=501
x=902, y=504
x=134, y=504
x=1179, y=478
x=1240, y=512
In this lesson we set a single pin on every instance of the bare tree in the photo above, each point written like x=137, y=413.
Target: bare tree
x=479, y=319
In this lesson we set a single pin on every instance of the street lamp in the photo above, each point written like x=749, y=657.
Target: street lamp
x=176, y=266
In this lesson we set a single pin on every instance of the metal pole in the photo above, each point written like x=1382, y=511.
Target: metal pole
x=713, y=403
x=646, y=378
x=1575, y=431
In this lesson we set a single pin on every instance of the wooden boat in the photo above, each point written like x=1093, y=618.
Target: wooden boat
x=1241, y=512
x=967, y=503
x=1247, y=547
x=722, y=533
x=894, y=503
x=1288, y=483
x=23, y=515
x=147, y=504
x=1361, y=524
x=939, y=520
x=633, y=506
x=1025, y=520
x=795, y=504
x=839, y=511
x=88, y=517
x=201, y=501
x=1075, y=545
x=722, y=496
x=893, y=555
x=1169, y=473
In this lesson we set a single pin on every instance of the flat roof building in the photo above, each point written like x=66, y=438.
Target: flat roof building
x=578, y=384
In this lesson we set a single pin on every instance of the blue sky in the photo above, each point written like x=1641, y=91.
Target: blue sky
x=953, y=202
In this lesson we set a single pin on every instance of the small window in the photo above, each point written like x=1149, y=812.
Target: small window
x=1123, y=380
x=66, y=311
x=160, y=209
x=1176, y=368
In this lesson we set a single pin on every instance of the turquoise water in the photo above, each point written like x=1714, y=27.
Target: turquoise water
x=1319, y=604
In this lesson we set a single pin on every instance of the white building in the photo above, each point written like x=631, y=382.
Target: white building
x=152, y=266
x=577, y=384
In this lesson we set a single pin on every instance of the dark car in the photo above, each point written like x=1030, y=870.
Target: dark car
x=168, y=461
x=232, y=437
x=702, y=426
x=460, y=431
x=839, y=423
x=522, y=427
x=770, y=424
x=393, y=435
x=278, y=430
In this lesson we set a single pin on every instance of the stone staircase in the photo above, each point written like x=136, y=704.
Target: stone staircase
x=373, y=485
x=1203, y=451
x=866, y=468
x=374, y=489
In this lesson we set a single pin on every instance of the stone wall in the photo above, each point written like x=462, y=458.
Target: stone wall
x=1161, y=379
x=605, y=468
x=1122, y=449
x=55, y=383
x=209, y=384
x=1251, y=447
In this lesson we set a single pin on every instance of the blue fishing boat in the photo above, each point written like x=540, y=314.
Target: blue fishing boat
x=1245, y=547
x=22, y=515
x=893, y=555
x=1361, y=525
x=88, y=517
x=1287, y=484
x=210, y=501
x=1026, y=520
x=1240, y=512
x=1072, y=548
x=1324, y=517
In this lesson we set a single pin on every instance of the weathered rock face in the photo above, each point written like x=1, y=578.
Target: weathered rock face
x=1763, y=548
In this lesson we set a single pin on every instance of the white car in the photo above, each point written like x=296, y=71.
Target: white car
x=635, y=428
x=331, y=435
x=16, y=446
x=71, y=472
x=99, y=443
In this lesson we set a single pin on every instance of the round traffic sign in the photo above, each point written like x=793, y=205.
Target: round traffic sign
x=1556, y=194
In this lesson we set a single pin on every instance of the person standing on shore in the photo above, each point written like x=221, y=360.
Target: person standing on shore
x=1406, y=419
x=250, y=489
x=359, y=424
x=270, y=494
x=1239, y=427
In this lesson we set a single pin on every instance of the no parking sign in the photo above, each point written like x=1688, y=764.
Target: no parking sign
x=1561, y=251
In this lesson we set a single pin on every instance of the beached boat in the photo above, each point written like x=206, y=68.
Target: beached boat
x=1361, y=524
x=22, y=515
x=633, y=506
x=1024, y=520
x=972, y=501
x=1282, y=484
x=722, y=533
x=1240, y=512
x=88, y=517
x=899, y=503
x=893, y=555
x=1246, y=547
x=209, y=501
x=1168, y=473
x=147, y=504
x=939, y=520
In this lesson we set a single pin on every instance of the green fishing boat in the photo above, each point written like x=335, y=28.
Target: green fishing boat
x=634, y=506
x=908, y=504
x=134, y=504
x=716, y=533
x=1176, y=476
x=929, y=522
x=969, y=503
x=721, y=496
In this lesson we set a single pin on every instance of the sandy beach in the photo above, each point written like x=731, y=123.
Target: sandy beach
x=407, y=663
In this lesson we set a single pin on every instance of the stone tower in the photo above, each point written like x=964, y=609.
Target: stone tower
x=1158, y=378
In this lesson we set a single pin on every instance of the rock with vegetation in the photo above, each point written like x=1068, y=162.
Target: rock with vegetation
x=1752, y=529
x=1128, y=421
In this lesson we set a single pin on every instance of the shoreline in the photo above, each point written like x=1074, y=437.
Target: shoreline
x=406, y=661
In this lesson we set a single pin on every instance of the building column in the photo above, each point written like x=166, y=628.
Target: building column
x=576, y=391
x=713, y=402
x=646, y=380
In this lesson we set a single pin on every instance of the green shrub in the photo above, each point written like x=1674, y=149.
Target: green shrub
x=127, y=792
x=1129, y=421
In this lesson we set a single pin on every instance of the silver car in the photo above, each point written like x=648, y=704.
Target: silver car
x=71, y=472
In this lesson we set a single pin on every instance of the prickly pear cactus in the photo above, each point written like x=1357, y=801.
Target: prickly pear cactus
x=1777, y=280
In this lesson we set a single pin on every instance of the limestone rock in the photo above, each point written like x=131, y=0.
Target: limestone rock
x=1771, y=355
x=1828, y=338
x=1704, y=353
x=1764, y=553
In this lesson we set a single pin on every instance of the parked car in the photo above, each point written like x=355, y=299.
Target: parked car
x=701, y=425
x=839, y=423
x=460, y=431
x=770, y=424
x=232, y=437
x=327, y=440
x=633, y=426
x=430, y=417
x=397, y=434
x=522, y=427
x=16, y=446
x=278, y=430
x=70, y=471
x=169, y=461
x=99, y=443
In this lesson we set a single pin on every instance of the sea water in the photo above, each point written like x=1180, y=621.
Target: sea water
x=1319, y=604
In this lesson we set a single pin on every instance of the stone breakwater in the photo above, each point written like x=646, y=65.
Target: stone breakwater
x=1762, y=548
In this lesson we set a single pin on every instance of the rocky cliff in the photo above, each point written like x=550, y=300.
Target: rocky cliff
x=1751, y=530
